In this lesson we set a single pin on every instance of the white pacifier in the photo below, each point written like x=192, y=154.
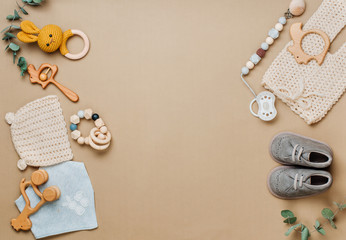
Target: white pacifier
x=266, y=107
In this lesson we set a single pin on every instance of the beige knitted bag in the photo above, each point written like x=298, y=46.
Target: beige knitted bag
x=311, y=90
x=39, y=133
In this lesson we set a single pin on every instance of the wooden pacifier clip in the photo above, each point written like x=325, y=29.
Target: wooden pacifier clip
x=40, y=77
x=99, y=138
x=52, y=193
x=297, y=35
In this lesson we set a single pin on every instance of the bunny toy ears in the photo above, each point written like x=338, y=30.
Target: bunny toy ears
x=51, y=37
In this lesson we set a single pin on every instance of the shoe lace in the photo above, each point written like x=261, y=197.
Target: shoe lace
x=296, y=181
x=300, y=152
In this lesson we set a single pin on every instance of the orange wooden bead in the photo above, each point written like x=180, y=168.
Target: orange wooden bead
x=43, y=77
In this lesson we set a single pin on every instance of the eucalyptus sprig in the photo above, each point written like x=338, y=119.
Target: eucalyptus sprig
x=8, y=35
x=327, y=213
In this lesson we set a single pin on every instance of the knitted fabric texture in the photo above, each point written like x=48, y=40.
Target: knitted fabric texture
x=49, y=38
x=39, y=133
x=311, y=90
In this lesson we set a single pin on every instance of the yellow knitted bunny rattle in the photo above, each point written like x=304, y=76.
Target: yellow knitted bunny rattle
x=51, y=37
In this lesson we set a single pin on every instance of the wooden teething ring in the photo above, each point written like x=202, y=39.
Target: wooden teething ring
x=50, y=194
x=99, y=137
x=96, y=146
x=86, y=45
x=100, y=141
x=297, y=35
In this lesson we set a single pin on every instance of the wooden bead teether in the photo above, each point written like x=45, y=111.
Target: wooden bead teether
x=297, y=35
x=99, y=138
x=52, y=193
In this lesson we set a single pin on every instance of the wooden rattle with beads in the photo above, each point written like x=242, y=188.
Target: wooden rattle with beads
x=52, y=193
x=40, y=77
x=99, y=138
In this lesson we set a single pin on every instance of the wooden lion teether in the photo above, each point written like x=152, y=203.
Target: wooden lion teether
x=51, y=37
x=52, y=193
x=297, y=35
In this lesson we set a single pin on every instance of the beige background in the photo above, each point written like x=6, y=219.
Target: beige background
x=188, y=161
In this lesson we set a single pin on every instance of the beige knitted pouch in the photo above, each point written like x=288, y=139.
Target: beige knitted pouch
x=39, y=133
x=311, y=90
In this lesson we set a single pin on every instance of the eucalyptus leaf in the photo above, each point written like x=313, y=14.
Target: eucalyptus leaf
x=333, y=224
x=23, y=11
x=14, y=57
x=305, y=233
x=10, y=17
x=340, y=206
x=287, y=214
x=14, y=47
x=31, y=2
x=10, y=27
x=5, y=38
x=16, y=15
x=292, y=228
x=7, y=47
x=321, y=231
x=327, y=213
x=3, y=30
x=10, y=35
x=15, y=27
x=290, y=220
x=317, y=224
x=37, y=1
x=23, y=65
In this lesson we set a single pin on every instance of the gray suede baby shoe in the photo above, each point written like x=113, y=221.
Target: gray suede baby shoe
x=292, y=149
x=288, y=182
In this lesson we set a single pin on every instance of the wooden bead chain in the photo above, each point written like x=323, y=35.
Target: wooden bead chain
x=99, y=138
x=268, y=111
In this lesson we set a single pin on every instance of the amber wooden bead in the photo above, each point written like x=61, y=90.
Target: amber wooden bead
x=43, y=77
x=51, y=193
x=261, y=53
x=39, y=177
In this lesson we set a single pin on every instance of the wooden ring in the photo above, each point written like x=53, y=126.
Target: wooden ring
x=98, y=147
x=297, y=35
x=85, y=49
x=97, y=140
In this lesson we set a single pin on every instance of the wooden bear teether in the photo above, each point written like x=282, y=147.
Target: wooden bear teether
x=297, y=35
x=52, y=193
x=37, y=76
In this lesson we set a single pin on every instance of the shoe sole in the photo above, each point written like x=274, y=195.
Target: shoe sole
x=298, y=135
x=289, y=198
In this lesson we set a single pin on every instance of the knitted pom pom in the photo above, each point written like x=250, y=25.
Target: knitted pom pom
x=21, y=164
x=9, y=117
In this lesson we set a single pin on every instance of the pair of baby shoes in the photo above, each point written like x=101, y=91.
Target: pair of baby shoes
x=304, y=158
